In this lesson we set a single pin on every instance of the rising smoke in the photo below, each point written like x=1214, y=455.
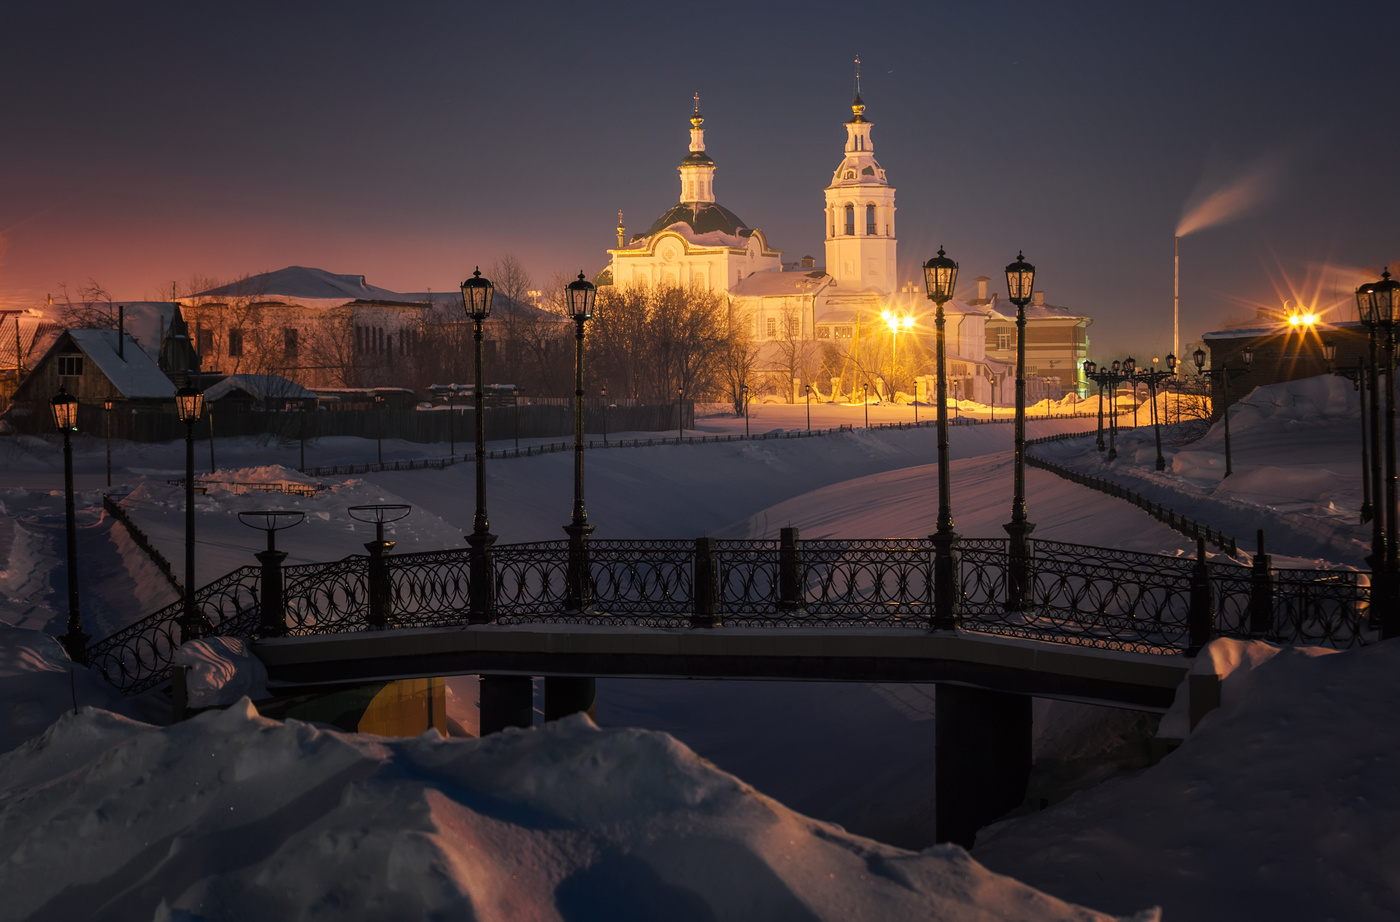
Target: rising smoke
x=1220, y=200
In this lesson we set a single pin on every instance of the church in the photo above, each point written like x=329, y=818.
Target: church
x=845, y=329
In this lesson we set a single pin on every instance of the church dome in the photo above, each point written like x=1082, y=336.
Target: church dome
x=701, y=218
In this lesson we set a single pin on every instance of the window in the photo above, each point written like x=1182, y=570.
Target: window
x=850, y=220
x=389, y=346
x=235, y=343
x=823, y=332
x=771, y=327
x=70, y=366
x=1003, y=340
x=850, y=174
x=870, y=220
x=204, y=340
x=289, y=342
x=843, y=332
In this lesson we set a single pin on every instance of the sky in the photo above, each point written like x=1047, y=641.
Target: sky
x=161, y=142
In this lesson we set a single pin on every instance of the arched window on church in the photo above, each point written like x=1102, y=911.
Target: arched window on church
x=870, y=220
x=850, y=220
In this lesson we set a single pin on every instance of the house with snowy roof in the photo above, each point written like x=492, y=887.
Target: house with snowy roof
x=1057, y=344
x=95, y=366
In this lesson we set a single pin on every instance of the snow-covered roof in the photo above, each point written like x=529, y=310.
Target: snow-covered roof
x=1007, y=311
x=774, y=283
x=36, y=336
x=301, y=283
x=134, y=373
x=259, y=387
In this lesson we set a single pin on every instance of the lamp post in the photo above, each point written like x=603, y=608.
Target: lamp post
x=605, y=414
x=680, y=417
x=107, y=415
x=894, y=321
x=865, y=401
x=1357, y=378
x=579, y=295
x=189, y=403
x=379, y=428
x=476, y=301
x=451, y=421
x=808, y=389
x=1020, y=280
x=65, y=420
x=1152, y=379
x=1222, y=375
x=940, y=277
x=1378, y=303
x=744, y=395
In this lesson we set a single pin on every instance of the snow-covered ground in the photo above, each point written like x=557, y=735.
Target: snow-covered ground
x=330, y=823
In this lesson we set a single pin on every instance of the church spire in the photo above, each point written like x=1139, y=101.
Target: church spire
x=858, y=105
x=621, y=231
x=697, y=169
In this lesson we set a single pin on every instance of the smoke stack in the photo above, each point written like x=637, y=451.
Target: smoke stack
x=121, y=332
x=1038, y=298
x=982, y=281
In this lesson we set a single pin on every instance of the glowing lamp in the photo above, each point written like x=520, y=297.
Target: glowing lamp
x=1384, y=296
x=940, y=274
x=1199, y=357
x=65, y=411
x=580, y=294
x=1329, y=351
x=1171, y=364
x=1247, y=356
x=1020, y=279
x=476, y=296
x=1363, y=302
x=190, y=404
x=1090, y=367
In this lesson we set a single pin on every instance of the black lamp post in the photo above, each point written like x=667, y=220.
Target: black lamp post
x=476, y=300
x=1357, y=377
x=1378, y=303
x=379, y=428
x=1091, y=373
x=189, y=402
x=680, y=416
x=605, y=414
x=940, y=277
x=107, y=415
x=1020, y=280
x=65, y=420
x=808, y=389
x=579, y=295
x=865, y=400
x=1222, y=375
x=744, y=395
x=1153, y=378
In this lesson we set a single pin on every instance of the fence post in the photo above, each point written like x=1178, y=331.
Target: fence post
x=481, y=579
x=1200, y=620
x=789, y=570
x=705, y=579
x=272, y=615
x=379, y=583
x=1261, y=593
x=947, y=593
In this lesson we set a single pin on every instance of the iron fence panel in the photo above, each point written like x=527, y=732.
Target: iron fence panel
x=327, y=598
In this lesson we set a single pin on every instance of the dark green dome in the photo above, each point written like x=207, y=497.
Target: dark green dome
x=703, y=218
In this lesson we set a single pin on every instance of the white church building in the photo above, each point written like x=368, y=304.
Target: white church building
x=827, y=326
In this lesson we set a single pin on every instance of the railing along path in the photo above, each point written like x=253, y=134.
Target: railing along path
x=1099, y=597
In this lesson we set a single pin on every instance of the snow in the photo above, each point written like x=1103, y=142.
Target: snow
x=233, y=816
x=220, y=670
x=1277, y=806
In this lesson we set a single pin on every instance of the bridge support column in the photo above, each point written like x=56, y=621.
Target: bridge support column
x=379, y=596
x=569, y=694
x=506, y=701
x=983, y=758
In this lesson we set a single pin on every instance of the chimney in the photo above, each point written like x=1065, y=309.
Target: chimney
x=1038, y=298
x=982, y=281
x=809, y=262
x=121, y=332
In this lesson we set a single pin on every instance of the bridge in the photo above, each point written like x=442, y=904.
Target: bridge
x=1065, y=621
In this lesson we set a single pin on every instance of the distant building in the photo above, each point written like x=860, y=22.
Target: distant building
x=1057, y=344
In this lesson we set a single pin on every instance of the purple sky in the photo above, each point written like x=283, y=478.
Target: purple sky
x=152, y=142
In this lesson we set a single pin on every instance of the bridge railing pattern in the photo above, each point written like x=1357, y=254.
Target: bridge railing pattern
x=1102, y=597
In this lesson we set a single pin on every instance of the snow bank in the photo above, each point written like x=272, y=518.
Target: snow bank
x=38, y=683
x=1281, y=804
x=232, y=816
x=221, y=670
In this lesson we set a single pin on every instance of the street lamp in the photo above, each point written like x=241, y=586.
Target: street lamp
x=579, y=295
x=808, y=389
x=379, y=428
x=1378, y=304
x=1222, y=375
x=1152, y=379
x=680, y=416
x=107, y=415
x=189, y=403
x=605, y=414
x=744, y=395
x=65, y=420
x=476, y=301
x=894, y=321
x=865, y=401
x=1357, y=377
x=940, y=277
x=1020, y=279
x=1091, y=373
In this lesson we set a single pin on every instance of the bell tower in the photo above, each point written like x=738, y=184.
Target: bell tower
x=860, y=231
x=697, y=169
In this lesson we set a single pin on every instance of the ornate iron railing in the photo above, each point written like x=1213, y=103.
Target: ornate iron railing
x=1102, y=597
